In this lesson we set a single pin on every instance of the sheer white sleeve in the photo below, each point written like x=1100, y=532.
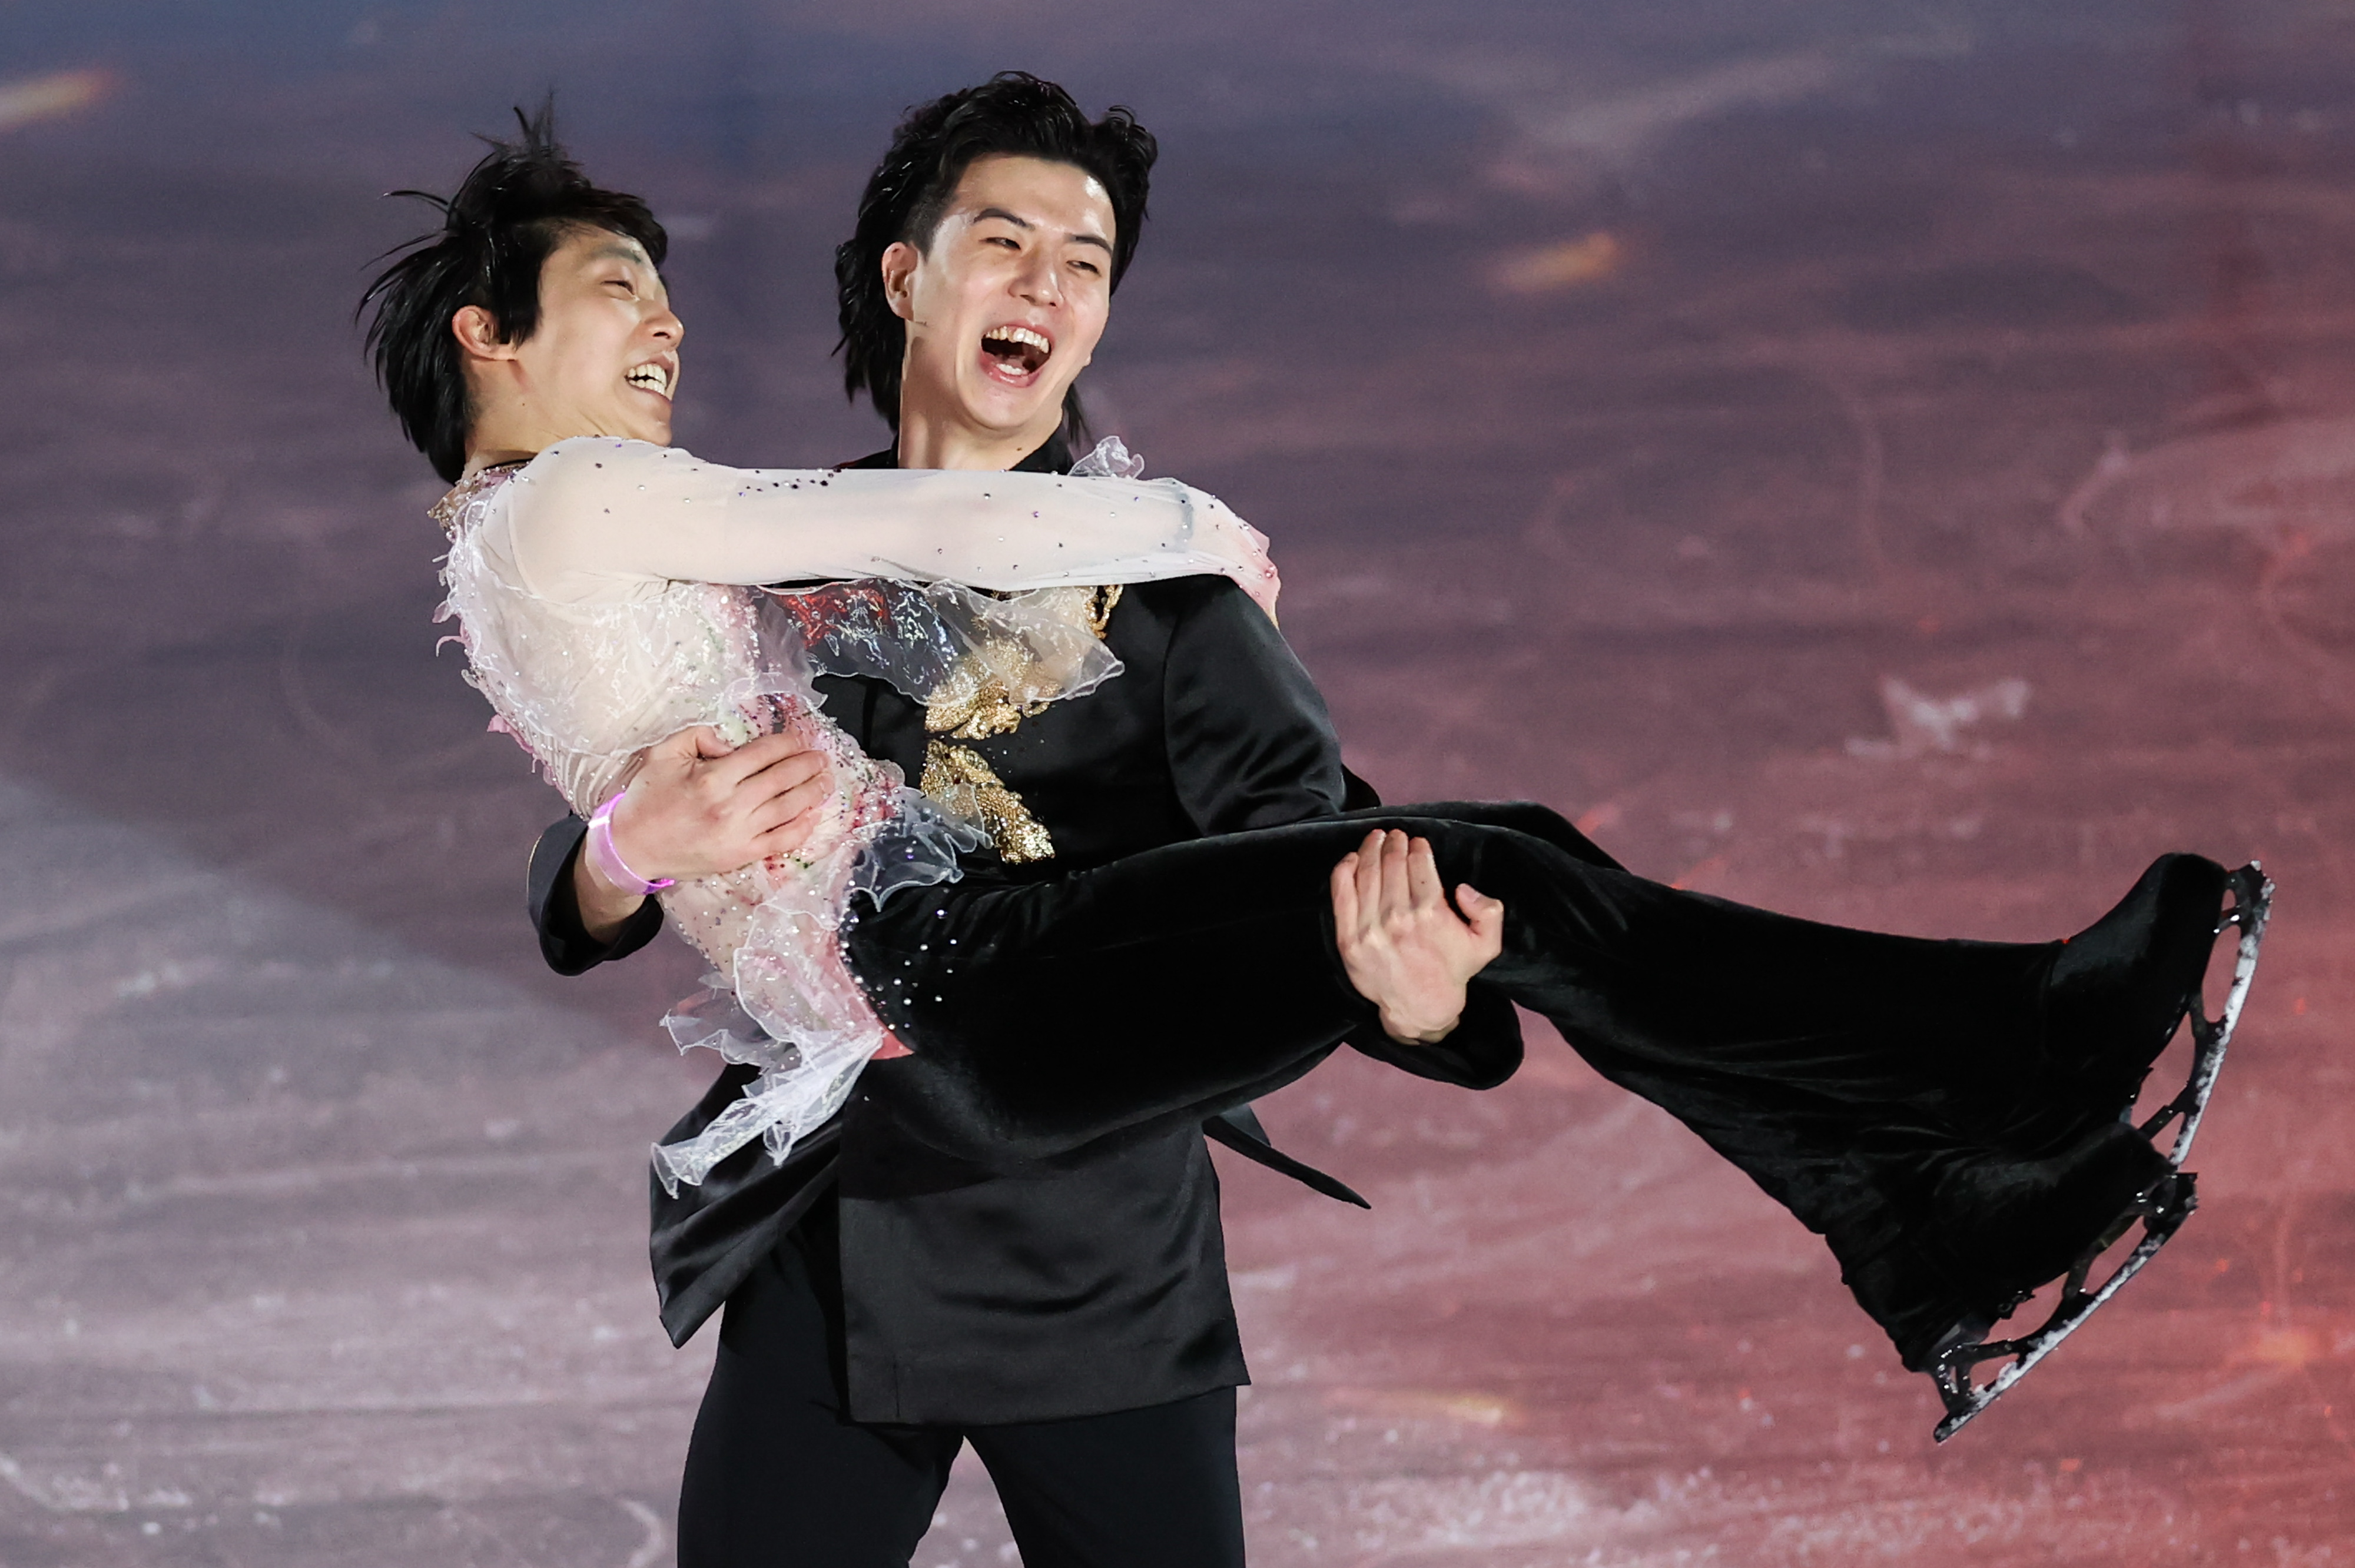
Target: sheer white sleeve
x=592, y=517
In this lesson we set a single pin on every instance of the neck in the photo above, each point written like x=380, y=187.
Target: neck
x=479, y=458
x=931, y=438
x=503, y=429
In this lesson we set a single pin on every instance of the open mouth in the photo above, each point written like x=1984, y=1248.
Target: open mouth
x=652, y=376
x=1015, y=353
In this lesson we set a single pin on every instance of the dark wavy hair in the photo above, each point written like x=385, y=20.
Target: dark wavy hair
x=512, y=209
x=906, y=197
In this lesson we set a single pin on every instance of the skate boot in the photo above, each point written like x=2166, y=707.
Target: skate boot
x=2160, y=1209
x=2013, y=1224
x=1993, y=1226
x=2012, y=1218
x=1922, y=1306
x=2118, y=988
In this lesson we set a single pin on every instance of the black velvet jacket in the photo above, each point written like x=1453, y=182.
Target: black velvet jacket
x=1092, y=1281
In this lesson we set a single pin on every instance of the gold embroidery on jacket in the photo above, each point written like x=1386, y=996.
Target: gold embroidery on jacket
x=961, y=780
x=1107, y=599
x=979, y=698
x=988, y=694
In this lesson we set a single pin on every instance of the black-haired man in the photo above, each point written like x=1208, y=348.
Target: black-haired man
x=1002, y=198
x=461, y=327
x=451, y=309
x=1071, y=1317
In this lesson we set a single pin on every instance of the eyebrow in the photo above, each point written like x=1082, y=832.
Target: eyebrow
x=618, y=252
x=1076, y=237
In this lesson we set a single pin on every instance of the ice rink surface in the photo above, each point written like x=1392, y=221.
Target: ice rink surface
x=1893, y=465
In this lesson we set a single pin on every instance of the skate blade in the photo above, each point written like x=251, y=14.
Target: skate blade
x=2161, y=1209
x=2253, y=897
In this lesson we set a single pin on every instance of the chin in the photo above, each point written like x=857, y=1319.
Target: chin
x=1009, y=409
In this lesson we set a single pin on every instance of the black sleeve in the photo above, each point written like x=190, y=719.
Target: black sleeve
x=1252, y=746
x=1482, y=1052
x=1249, y=742
x=547, y=895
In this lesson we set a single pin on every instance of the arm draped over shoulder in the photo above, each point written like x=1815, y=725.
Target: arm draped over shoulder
x=595, y=517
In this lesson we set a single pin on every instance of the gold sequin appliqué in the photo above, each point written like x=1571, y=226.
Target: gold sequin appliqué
x=991, y=693
x=958, y=778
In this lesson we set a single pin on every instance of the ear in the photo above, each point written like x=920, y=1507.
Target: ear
x=900, y=260
x=478, y=334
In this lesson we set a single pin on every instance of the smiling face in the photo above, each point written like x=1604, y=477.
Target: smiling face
x=1004, y=307
x=603, y=359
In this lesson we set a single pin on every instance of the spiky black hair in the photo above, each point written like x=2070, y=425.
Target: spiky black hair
x=906, y=197
x=510, y=212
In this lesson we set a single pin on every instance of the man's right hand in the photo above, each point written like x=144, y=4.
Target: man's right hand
x=695, y=806
x=1405, y=948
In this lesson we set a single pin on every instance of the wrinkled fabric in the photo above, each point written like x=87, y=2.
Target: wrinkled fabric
x=1841, y=1070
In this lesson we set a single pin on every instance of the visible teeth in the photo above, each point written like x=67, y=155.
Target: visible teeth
x=653, y=376
x=1021, y=334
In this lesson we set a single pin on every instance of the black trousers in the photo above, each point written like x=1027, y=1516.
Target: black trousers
x=778, y=1477
x=1841, y=1069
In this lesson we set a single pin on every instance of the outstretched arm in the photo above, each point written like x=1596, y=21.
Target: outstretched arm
x=592, y=512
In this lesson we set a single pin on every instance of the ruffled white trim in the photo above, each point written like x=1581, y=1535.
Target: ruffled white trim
x=791, y=1006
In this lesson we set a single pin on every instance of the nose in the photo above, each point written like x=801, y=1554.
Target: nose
x=665, y=327
x=1041, y=280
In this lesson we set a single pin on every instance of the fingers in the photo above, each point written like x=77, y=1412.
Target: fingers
x=1478, y=908
x=785, y=823
x=731, y=768
x=1487, y=918
x=1422, y=876
x=677, y=753
x=816, y=782
x=1370, y=877
x=790, y=771
x=1397, y=878
x=1345, y=900
x=785, y=839
x=1397, y=898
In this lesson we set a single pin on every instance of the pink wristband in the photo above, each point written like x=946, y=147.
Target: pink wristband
x=608, y=860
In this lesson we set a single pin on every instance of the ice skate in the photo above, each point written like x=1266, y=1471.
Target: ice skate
x=2119, y=989
x=1995, y=1224
x=2160, y=1208
x=2008, y=1225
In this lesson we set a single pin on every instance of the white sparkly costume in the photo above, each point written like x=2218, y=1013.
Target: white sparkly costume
x=605, y=600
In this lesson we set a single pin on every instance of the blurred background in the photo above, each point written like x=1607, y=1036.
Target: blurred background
x=1892, y=462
